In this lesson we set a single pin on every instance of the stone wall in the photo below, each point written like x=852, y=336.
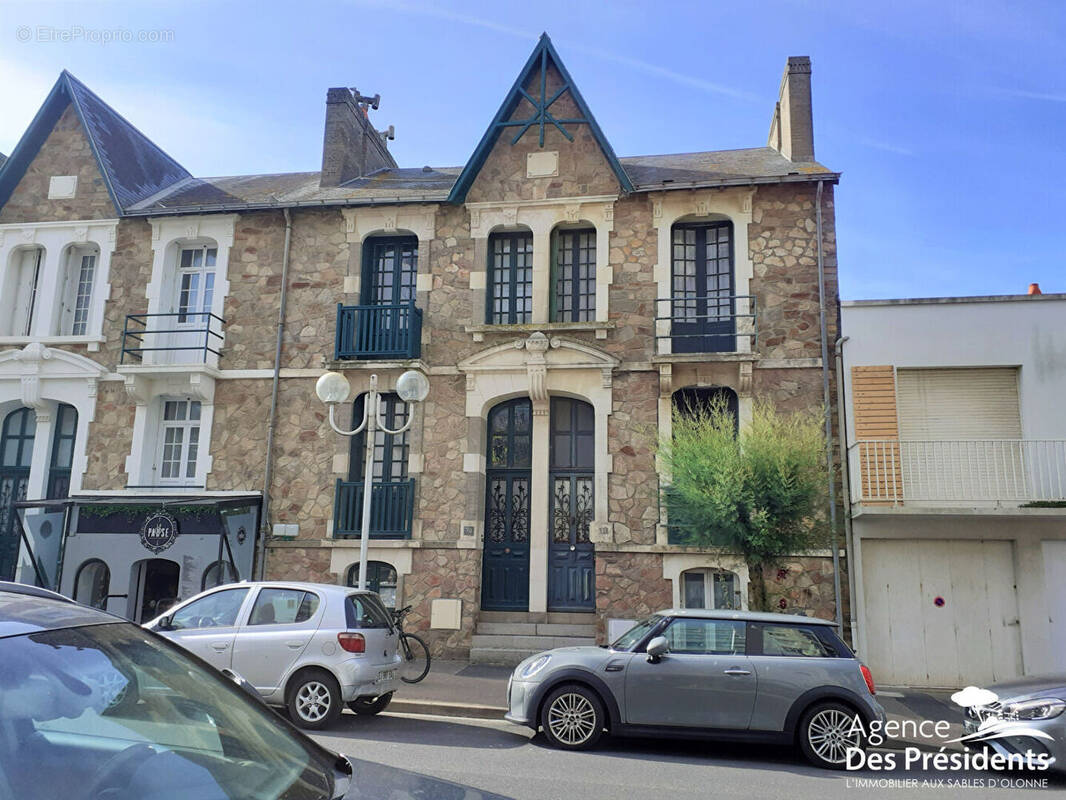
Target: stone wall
x=251, y=308
x=109, y=438
x=443, y=573
x=285, y=562
x=238, y=435
x=804, y=584
x=441, y=487
x=633, y=488
x=66, y=151
x=629, y=586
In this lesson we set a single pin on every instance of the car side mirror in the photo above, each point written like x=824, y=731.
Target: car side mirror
x=656, y=649
x=165, y=623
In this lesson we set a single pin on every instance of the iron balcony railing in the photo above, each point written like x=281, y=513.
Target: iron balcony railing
x=392, y=508
x=190, y=337
x=885, y=471
x=385, y=331
x=705, y=323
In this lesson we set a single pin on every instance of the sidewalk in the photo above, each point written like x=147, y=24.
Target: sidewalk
x=459, y=689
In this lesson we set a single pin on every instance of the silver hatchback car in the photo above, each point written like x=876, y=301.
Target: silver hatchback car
x=735, y=675
x=307, y=646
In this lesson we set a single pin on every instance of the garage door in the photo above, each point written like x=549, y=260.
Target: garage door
x=940, y=613
x=1055, y=588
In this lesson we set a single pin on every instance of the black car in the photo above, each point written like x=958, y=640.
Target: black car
x=95, y=707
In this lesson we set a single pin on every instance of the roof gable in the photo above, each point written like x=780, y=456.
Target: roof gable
x=133, y=167
x=539, y=121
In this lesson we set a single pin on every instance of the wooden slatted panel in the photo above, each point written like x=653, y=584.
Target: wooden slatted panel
x=953, y=423
x=873, y=392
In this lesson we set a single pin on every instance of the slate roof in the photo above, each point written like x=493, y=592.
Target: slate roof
x=133, y=167
x=718, y=167
x=3, y=158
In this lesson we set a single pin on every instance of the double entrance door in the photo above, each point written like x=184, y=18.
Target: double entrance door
x=571, y=498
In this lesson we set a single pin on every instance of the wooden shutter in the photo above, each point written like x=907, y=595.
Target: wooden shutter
x=873, y=393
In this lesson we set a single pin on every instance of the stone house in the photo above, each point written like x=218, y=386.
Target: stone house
x=162, y=334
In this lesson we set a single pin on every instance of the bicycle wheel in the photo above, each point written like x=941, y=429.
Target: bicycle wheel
x=415, y=655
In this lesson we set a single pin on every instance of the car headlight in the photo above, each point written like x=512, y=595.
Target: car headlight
x=1041, y=708
x=533, y=667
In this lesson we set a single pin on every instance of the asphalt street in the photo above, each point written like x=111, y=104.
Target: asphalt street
x=496, y=756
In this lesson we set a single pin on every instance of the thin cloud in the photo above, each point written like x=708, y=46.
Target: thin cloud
x=888, y=147
x=520, y=33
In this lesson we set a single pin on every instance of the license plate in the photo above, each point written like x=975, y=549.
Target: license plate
x=386, y=675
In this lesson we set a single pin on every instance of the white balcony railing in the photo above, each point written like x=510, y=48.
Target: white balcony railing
x=981, y=471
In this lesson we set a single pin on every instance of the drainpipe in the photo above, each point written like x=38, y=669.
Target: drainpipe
x=828, y=412
x=842, y=436
x=268, y=474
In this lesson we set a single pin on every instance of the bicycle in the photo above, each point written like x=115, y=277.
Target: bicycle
x=414, y=650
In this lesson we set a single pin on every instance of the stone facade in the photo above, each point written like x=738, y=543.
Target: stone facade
x=615, y=364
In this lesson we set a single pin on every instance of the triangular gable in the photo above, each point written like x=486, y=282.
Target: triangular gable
x=540, y=119
x=132, y=166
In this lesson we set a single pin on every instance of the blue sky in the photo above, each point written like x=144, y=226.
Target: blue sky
x=946, y=118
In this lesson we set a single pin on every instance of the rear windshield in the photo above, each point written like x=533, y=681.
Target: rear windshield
x=365, y=611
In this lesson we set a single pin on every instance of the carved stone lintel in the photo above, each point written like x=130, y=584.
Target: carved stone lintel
x=510, y=215
x=28, y=234
x=608, y=212
x=744, y=384
x=471, y=381
x=657, y=209
x=573, y=212
x=81, y=233
x=390, y=223
x=666, y=380
x=703, y=208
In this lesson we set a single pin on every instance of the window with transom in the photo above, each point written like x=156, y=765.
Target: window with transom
x=574, y=275
x=179, y=440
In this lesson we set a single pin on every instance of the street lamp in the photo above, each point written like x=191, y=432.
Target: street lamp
x=333, y=388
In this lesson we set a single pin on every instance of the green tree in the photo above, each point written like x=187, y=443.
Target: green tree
x=759, y=492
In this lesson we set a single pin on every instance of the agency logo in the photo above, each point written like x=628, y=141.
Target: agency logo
x=159, y=532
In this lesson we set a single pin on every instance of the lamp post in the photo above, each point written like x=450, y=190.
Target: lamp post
x=333, y=388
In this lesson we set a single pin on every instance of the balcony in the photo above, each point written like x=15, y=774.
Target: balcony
x=392, y=507
x=719, y=323
x=974, y=472
x=376, y=332
x=178, y=338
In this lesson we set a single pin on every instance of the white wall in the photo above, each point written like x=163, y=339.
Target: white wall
x=1018, y=330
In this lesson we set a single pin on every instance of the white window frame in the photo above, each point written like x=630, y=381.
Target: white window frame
x=79, y=284
x=708, y=587
x=190, y=430
x=58, y=240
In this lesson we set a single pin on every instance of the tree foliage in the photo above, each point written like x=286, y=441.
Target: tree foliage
x=758, y=493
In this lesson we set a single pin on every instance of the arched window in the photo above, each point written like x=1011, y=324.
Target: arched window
x=703, y=297
x=692, y=400
x=66, y=429
x=21, y=292
x=710, y=588
x=16, y=454
x=92, y=583
x=573, y=275
x=510, y=285
x=196, y=283
x=218, y=573
x=380, y=578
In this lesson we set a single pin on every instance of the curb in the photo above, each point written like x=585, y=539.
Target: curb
x=445, y=709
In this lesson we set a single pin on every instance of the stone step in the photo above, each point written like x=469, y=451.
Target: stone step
x=508, y=628
x=554, y=617
x=531, y=642
x=535, y=629
x=498, y=656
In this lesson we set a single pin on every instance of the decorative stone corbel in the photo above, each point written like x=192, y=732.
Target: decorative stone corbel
x=471, y=381
x=607, y=377
x=666, y=380
x=744, y=384
x=510, y=215
x=81, y=234
x=703, y=207
x=138, y=389
x=537, y=369
x=573, y=212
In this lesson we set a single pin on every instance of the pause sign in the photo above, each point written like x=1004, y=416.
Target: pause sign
x=159, y=532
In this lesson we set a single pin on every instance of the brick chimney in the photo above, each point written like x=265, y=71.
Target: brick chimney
x=351, y=146
x=792, y=128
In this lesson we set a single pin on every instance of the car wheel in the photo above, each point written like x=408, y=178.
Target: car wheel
x=370, y=705
x=314, y=700
x=572, y=717
x=826, y=732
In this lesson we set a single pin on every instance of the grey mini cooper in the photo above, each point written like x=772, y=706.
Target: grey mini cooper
x=734, y=675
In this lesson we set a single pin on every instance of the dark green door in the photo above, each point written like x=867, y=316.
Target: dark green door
x=16, y=454
x=505, y=564
x=571, y=555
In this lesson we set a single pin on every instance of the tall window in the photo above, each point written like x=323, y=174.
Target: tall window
x=692, y=400
x=180, y=440
x=196, y=284
x=390, y=270
x=20, y=428
x=574, y=298
x=510, y=278
x=23, y=287
x=77, y=291
x=390, y=450
x=16, y=454
x=702, y=296
x=66, y=429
